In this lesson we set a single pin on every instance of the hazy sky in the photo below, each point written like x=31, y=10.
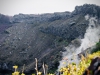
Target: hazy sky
x=11, y=7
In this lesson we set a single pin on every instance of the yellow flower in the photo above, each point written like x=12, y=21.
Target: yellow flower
x=15, y=73
x=39, y=73
x=22, y=74
x=12, y=73
x=68, y=74
x=15, y=67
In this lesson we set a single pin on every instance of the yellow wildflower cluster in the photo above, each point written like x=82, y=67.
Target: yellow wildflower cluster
x=73, y=69
x=16, y=72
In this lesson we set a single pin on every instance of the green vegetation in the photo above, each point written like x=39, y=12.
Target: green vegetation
x=97, y=47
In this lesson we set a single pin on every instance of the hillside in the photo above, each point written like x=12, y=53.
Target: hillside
x=42, y=36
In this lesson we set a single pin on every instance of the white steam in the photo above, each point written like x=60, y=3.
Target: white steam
x=91, y=37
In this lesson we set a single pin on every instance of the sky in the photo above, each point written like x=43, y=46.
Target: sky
x=12, y=7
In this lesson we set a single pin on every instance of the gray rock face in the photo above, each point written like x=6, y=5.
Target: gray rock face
x=90, y=9
x=68, y=30
x=32, y=18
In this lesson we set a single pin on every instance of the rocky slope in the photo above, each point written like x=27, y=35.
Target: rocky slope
x=43, y=37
